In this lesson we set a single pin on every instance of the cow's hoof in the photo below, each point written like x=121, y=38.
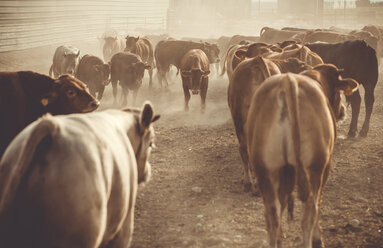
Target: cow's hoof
x=247, y=187
x=351, y=134
x=317, y=244
x=363, y=133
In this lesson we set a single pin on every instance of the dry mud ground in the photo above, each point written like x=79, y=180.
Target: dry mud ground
x=200, y=150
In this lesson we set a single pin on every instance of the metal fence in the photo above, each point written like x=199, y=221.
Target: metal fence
x=33, y=23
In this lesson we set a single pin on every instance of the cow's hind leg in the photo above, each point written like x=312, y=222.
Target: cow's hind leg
x=125, y=93
x=269, y=185
x=187, y=96
x=369, y=99
x=355, y=107
x=150, y=72
x=114, y=85
x=100, y=92
x=204, y=93
x=124, y=237
x=285, y=191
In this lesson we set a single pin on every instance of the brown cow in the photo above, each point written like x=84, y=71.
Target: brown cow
x=302, y=53
x=143, y=48
x=26, y=95
x=290, y=141
x=112, y=46
x=291, y=130
x=194, y=73
x=238, y=53
x=128, y=69
x=92, y=71
x=246, y=79
x=71, y=181
x=171, y=52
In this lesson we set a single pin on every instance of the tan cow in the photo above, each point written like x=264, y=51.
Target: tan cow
x=291, y=130
x=71, y=181
x=246, y=79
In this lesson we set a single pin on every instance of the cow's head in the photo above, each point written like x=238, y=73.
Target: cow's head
x=295, y=65
x=211, y=51
x=142, y=138
x=329, y=76
x=69, y=95
x=134, y=72
x=70, y=61
x=194, y=79
x=103, y=72
x=255, y=49
x=131, y=43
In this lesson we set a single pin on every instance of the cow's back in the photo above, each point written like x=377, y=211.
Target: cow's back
x=358, y=60
x=85, y=68
x=20, y=94
x=76, y=212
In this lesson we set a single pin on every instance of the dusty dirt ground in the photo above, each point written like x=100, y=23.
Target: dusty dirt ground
x=195, y=197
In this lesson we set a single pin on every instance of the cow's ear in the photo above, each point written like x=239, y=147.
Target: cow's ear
x=347, y=85
x=146, y=115
x=186, y=73
x=138, y=37
x=78, y=53
x=241, y=54
x=48, y=98
x=156, y=118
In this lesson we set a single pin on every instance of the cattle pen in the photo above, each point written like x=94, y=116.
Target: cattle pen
x=195, y=196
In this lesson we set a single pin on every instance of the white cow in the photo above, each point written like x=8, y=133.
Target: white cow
x=71, y=181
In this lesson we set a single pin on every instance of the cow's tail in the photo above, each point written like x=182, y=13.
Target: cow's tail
x=224, y=61
x=51, y=71
x=259, y=60
x=263, y=30
x=13, y=173
x=289, y=97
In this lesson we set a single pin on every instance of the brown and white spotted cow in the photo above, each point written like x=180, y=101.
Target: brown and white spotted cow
x=195, y=75
x=247, y=77
x=143, y=48
x=71, y=181
x=291, y=130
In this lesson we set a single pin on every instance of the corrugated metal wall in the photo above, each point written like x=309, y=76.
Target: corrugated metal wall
x=33, y=23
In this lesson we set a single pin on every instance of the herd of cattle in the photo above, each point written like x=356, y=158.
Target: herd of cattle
x=284, y=95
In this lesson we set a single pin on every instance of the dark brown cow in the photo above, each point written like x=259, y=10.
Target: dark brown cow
x=171, y=52
x=112, y=46
x=291, y=131
x=143, y=48
x=194, y=73
x=92, y=71
x=246, y=79
x=128, y=69
x=335, y=37
x=359, y=62
x=26, y=95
